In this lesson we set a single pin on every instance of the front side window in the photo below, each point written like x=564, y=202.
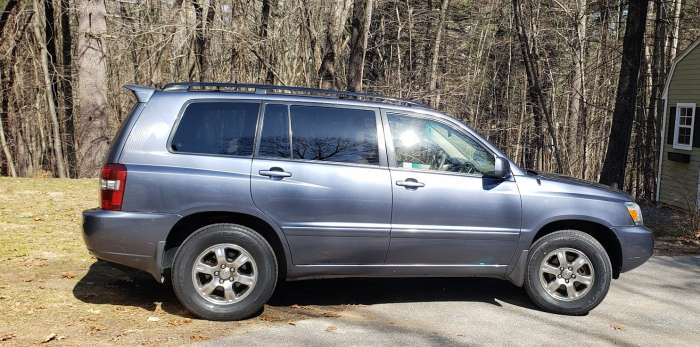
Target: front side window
x=219, y=128
x=685, y=120
x=334, y=134
x=429, y=145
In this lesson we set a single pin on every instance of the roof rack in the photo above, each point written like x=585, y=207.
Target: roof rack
x=273, y=89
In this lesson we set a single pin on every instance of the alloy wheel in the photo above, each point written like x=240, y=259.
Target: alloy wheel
x=566, y=274
x=224, y=274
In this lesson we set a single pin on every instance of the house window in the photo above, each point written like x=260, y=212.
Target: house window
x=685, y=121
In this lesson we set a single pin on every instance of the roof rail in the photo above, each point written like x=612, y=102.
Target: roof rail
x=273, y=89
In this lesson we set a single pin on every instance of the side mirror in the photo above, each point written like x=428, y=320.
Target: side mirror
x=501, y=168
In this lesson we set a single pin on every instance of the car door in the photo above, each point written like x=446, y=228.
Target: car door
x=445, y=210
x=320, y=172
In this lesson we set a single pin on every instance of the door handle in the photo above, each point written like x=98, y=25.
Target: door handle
x=410, y=183
x=275, y=172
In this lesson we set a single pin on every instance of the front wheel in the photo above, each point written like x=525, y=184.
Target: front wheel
x=224, y=272
x=568, y=272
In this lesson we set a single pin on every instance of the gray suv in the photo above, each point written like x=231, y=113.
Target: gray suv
x=226, y=189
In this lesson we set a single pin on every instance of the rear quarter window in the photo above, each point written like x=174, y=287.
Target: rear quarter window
x=218, y=128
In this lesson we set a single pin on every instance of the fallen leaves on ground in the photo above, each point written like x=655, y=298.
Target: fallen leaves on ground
x=198, y=338
x=178, y=322
x=7, y=337
x=52, y=337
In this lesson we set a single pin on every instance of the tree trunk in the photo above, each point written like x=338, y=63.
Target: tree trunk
x=327, y=73
x=535, y=93
x=577, y=102
x=265, y=17
x=66, y=85
x=361, y=19
x=201, y=36
x=658, y=77
x=5, y=13
x=49, y=91
x=678, y=5
x=613, y=172
x=3, y=141
x=434, y=96
x=92, y=125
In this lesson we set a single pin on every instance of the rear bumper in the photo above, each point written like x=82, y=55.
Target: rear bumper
x=133, y=239
x=637, y=246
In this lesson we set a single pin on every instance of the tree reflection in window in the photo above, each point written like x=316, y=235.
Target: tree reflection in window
x=334, y=134
x=274, y=139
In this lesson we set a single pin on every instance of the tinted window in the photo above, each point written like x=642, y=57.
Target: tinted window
x=429, y=145
x=217, y=128
x=274, y=139
x=334, y=134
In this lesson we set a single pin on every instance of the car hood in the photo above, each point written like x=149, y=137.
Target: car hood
x=583, y=187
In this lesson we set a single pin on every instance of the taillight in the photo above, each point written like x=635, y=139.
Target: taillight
x=112, y=186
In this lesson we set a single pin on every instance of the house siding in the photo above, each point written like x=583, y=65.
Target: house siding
x=679, y=181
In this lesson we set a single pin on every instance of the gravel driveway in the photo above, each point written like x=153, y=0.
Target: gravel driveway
x=656, y=304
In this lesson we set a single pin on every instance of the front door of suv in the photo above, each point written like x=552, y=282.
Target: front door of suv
x=321, y=174
x=445, y=211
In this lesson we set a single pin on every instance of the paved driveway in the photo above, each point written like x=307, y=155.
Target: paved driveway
x=656, y=304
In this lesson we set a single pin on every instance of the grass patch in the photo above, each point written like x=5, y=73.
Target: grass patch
x=50, y=284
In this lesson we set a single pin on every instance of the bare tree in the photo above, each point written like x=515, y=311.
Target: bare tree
x=66, y=85
x=265, y=19
x=535, y=91
x=677, y=7
x=92, y=126
x=39, y=35
x=613, y=172
x=432, y=88
x=361, y=18
x=5, y=13
x=201, y=43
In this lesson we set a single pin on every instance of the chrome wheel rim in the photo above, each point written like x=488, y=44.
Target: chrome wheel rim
x=566, y=274
x=224, y=274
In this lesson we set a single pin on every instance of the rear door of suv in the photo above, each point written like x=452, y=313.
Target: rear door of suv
x=320, y=171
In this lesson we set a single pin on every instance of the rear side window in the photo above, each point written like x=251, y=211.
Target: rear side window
x=334, y=134
x=222, y=128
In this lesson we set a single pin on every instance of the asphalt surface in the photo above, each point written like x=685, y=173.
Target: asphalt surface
x=657, y=304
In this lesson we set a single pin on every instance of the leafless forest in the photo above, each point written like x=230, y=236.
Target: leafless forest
x=569, y=86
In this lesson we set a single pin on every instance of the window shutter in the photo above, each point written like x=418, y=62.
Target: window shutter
x=696, y=128
x=671, y=126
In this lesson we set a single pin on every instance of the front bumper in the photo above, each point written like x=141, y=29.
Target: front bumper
x=637, y=245
x=133, y=239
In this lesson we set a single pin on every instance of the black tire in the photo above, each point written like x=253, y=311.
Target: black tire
x=592, y=249
x=198, y=242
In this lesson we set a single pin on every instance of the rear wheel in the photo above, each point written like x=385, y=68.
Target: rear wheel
x=569, y=272
x=224, y=272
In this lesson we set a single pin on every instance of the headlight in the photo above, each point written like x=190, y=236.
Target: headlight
x=635, y=212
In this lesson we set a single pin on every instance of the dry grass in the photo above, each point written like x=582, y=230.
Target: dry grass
x=50, y=287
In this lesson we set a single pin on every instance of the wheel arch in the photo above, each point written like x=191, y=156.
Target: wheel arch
x=194, y=221
x=603, y=234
